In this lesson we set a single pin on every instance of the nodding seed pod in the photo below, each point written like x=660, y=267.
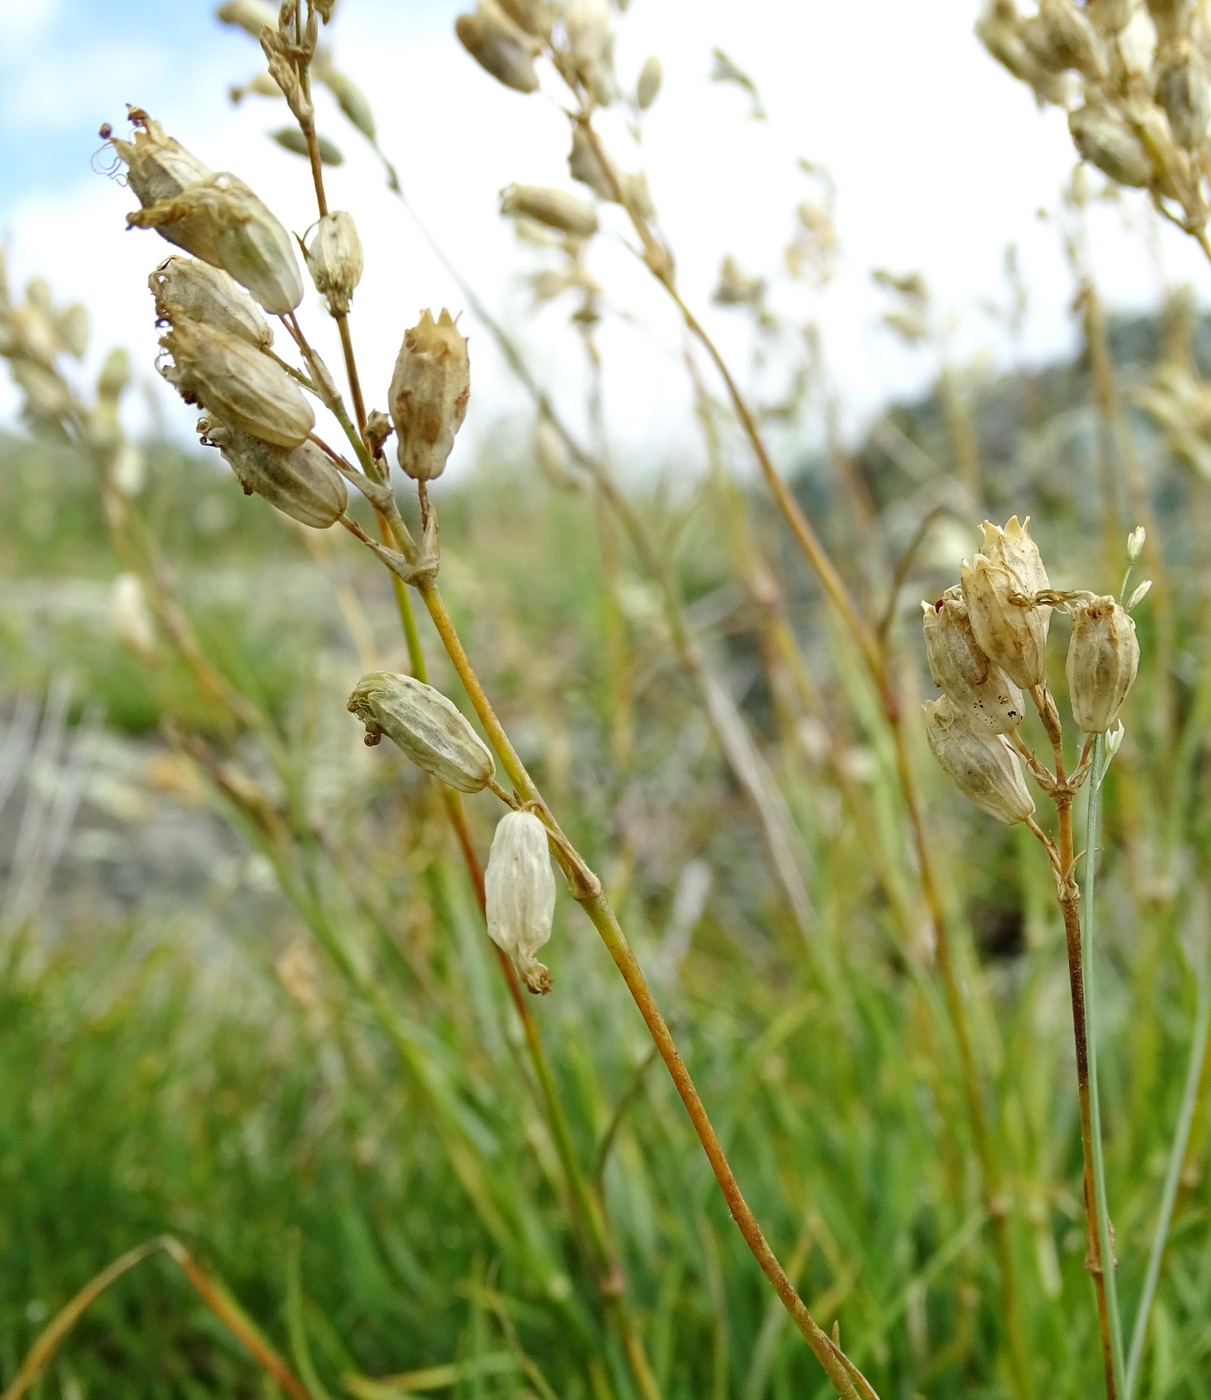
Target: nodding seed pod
x=426, y=726
x=334, y=259
x=981, y=764
x=585, y=165
x=1182, y=90
x=997, y=587
x=237, y=384
x=499, y=46
x=428, y=394
x=223, y=222
x=192, y=290
x=555, y=208
x=1060, y=37
x=299, y=481
x=1105, y=140
x=963, y=670
x=520, y=894
x=1103, y=657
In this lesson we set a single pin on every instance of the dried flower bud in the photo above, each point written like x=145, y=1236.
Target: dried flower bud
x=555, y=208
x=428, y=395
x=352, y=101
x=648, y=87
x=429, y=729
x=300, y=481
x=72, y=325
x=1110, y=16
x=334, y=259
x=1013, y=634
x=249, y=15
x=1105, y=140
x=1002, y=38
x=192, y=290
x=114, y=376
x=1181, y=89
x=982, y=765
x=1060, y=37
x=131, y=618
x=534, y=16
x=291, y=139
x=1135, y=543
x=499, y=46
x=239, y=385
x=520, y=890
x=961, y=669
x=1171, y=18
x=1103, y=657
x=585, y=165
x=1138, y=595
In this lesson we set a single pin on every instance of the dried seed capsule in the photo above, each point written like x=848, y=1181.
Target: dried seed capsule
x=961, y=669
x=428, y=395
x=997, y=587
x=352, y=101
x=249, y=15
x=192, y=290
x=555, y=208
x=982, y=765
x=158, y=167
x=585, y=165
x=426, y=726
x=1171, y=18
x=534, y=16
x=499, y=46
x=648, y=87
x=290, y=138
x=239, y=385
x=1105, y=140
x=299, y=481
x=1181, y=89
x=334, y=259
x=224, y=223
x=520, y=890
x=1110, y=16
x=1060, y=37
x=1103, y=657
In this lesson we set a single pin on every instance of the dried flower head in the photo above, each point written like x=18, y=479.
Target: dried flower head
x=216, y=217
x=236, y=383
x=1103, y=658
x=555, y=208
x=428, y=395
x=192, y=290
x=334, y=259
x=962, y=669
x=299, y=481
x=427, y=726
x=499, y=45
x=520, y=889
x=1105, y=140
x=998, y=588
x=982, y=764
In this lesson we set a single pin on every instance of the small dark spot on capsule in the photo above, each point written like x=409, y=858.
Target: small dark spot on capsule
x=939, y=605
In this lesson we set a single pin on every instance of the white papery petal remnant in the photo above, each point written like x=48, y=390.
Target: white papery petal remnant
x=520, y=889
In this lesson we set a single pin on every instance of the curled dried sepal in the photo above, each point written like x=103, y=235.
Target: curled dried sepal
x=499, y=46
x=520, y=890
x=998, y=588
x=963, y=670
x=300, y=481
x=240, y=386
x=429, y=729
x=192, y=290
x=981, y=764
x=157, y=166
x=334, y=259
x=1103, y=658
x=555, y=208
x=428, y=395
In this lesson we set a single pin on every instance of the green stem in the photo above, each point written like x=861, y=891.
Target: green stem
x=1177, y=1154
x=1088, y=929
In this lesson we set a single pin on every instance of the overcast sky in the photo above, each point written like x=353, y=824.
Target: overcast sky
x=940, y=161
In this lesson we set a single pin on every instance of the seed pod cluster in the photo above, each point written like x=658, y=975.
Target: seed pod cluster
x=520, y=894
x=429, y=729
x=985, y=642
